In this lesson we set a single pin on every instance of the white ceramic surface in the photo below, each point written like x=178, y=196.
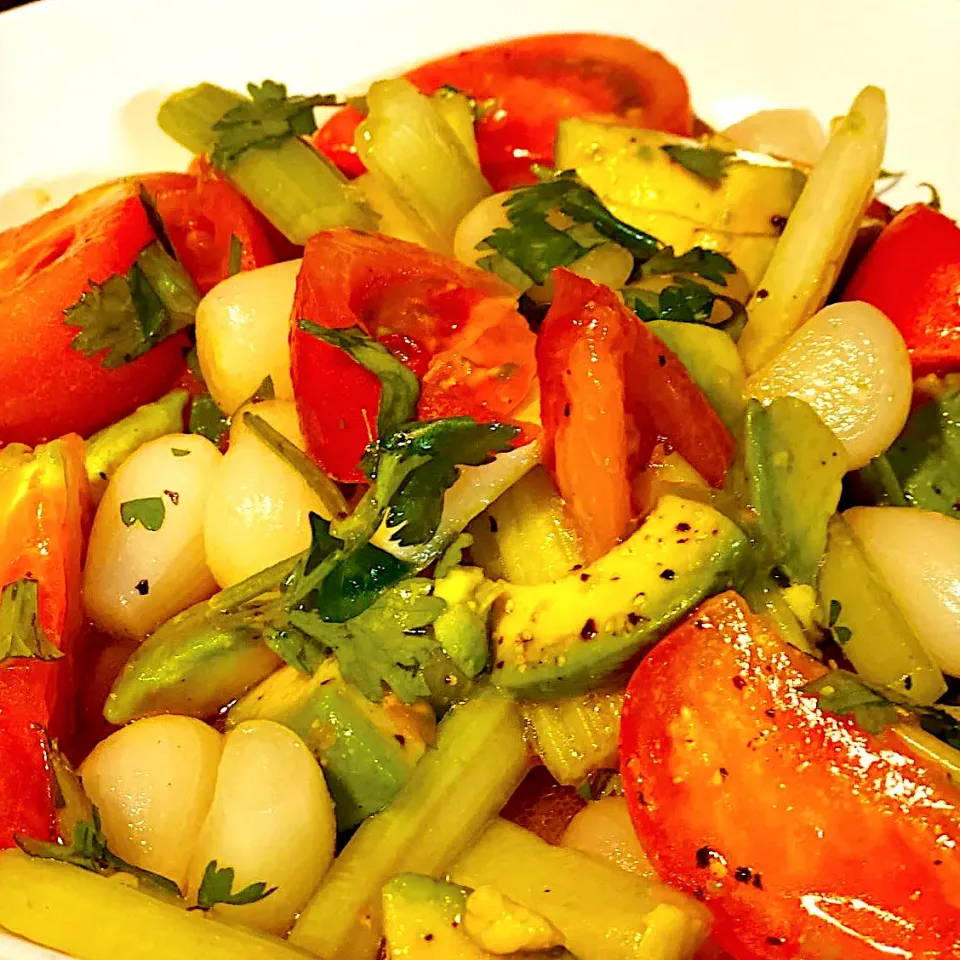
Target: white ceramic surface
x=80, y=79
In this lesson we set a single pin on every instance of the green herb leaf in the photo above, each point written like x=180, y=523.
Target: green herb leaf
x=845, y=694
x=20, y=632
x=128, y=314
x=207, y=419
x=147, y=511
x=217, y=887
x=387, y=644
x=707, y=163
x=842, y=634
x=88, y=850
x=697, y=261
x=266, y=121
x=179, y=452
x=834, y=616
x=400, y=387
x=685, y=301
x=235, y=256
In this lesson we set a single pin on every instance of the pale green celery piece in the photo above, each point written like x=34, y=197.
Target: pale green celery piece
x=576, y=735
x=603, y=912
x=412, y=150
x=479, y=760
x=196, y=663
x=455, y=108
x=930, y=748
x=712, y=360
x=868, y=624
x=296, y=188
x=766, y=599
x=107, y=449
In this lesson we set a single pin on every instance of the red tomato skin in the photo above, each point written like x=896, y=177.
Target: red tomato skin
x=456, y=326
x=49, y=388
x=537, y=81
x=912, y=274
x=44, y=522
x=806, y=836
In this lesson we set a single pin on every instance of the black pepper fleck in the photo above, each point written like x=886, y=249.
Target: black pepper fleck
x=739, y=682
x=143, y=587
x=400, y=738
x=776, y=941
x=778, y=221
x=584, y=577
x=589, y=630
x=566, y=409
x=758, y=881
x=724, y=772
x=682, y=527
x=173, y=495
x=493, y=524
x=667, y=574
x=742, y=874
x=908, y=682
x=761, y=294
x=633, y=618
x=499, y=664
x=662, y=360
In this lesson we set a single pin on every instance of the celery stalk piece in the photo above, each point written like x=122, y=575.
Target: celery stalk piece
x=84, y=915
x=107, y=449
x=413, y=151
x=296, y=188
x=575, y=735
x=603, y=912
x=479, y=760
x=819, y=232
x=455, y=108
x=868, y=624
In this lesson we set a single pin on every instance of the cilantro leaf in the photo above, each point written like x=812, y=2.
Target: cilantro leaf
x=217, y=887
x=128, y=314
x=20, y=632
x=387, y=644
x=207, y=419
x=147, y=511
x=435, y=449
x=707, y=163
x=846, y=695
x=684, y=301
x=89, y=851
x=399, y=385
x=266, y=121
x=697, y=261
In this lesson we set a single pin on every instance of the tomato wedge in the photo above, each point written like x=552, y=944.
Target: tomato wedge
x=535, y=82
x=201, y=212
x=50, y=388
x=912, y=274
x=608, y=390
x=43, y=516
x=805, y=835
x=456, y=326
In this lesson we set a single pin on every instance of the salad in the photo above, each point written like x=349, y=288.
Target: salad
x=494, y=516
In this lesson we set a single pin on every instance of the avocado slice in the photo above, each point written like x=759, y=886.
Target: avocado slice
x=366, y=749
x=565, y=637
x=423, y=918
x=741, y=215
x=461, y=630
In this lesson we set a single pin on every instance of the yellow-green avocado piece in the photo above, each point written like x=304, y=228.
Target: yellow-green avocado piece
x=565, y=637
x=741, y=216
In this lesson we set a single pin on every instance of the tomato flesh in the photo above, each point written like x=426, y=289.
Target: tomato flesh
x=456, y=327
x=532, y=84
x=806, y=836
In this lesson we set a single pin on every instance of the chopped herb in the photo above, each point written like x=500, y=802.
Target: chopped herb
x=179, y=452
x=400, y=387
x=128, y=314
x=697, y=262
x=600, y=784
x=842, y=635
x=88, y=850
x=685, y=301
x=217, y=887
x=834, y=616
x=207, y=419
x=845, y=694
x=453, y=555
x=20, y=632
x=707, y=163
x=266, y=121
x=387, y=644
x=235, y=256
x=147, y=511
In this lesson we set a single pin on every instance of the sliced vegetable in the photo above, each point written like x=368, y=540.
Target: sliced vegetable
x=608, y=388
x=820, y=231
x=603, y=913
x=795, y=135
x=42, y=518
x=479, y=760
x=912, y=274
x=523, y=87
x=717, y=731
x=869, y=626
x=603, y=829
x=297, y=190
x=456, y=327
x=849, y=363
x=407, y=144
x=81, y=371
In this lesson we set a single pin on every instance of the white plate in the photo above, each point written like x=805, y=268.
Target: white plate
x=80, y=79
